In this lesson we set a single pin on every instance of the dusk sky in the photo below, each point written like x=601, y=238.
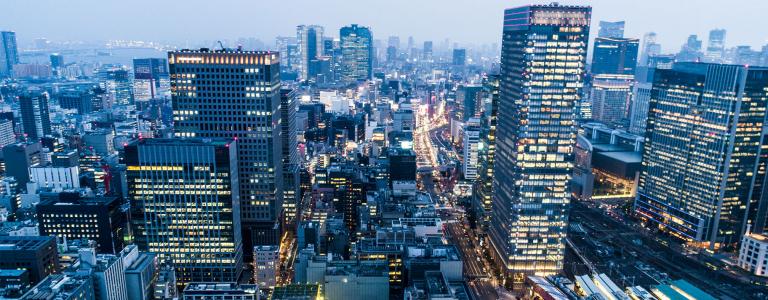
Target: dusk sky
x=462, y=21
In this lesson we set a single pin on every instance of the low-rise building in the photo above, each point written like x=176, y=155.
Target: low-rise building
x=753, y=255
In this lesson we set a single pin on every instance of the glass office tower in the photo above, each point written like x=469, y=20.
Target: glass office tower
x=236, y=94
x=184, y=205
x=702, y=142
x=615, y=56
x=542, y=73
x=356, y=53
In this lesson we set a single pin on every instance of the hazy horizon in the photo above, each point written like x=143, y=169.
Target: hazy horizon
x=464, y=22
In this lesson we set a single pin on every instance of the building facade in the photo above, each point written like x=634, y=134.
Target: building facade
x=150, y=78
x=185, y=205
x=236, y=94
x=700, y=156
x=615, y=56
x=71, y=216
x=310, y=42
x=356, y=53
x=535, y=136
x=35, y=116
x=9, y=53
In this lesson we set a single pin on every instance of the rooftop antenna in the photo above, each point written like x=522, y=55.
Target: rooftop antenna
x=221, y=45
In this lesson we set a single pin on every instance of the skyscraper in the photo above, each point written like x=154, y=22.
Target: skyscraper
x=290, y=157
x=185, y=205
x=310, y=41
x=483, y=190
x=35, y=117
x=116, y=80
x=428, y=51
x=459, y=57
x=356, y=53
x=615, y=56
x=471, y=148
x=535, y=136
x=611, y=29
x=151, y=78
x=700, y=150
x=236, y=94
x=611, y=95
x=691, y=50
x=57, y=61
x=650, y=48
x=9, y=53
x=715, y=46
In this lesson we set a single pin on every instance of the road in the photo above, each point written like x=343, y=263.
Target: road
x=476, y=268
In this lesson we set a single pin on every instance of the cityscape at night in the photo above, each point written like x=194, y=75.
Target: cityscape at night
x=382, y=150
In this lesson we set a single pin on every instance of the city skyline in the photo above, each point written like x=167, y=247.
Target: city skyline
x=432, y=20
x=388, y=150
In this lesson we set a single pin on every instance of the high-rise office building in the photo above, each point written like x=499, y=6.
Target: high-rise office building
x=69, y=215
x=700, y=151
x=78, y=96
x=356, y=53
x=691, y=50
x=290, y=157
x=535, y=136
x=7, y=135
x=471, y=148
x=19, y=158
x=116, y=81
x=282, y=43
x=641, y=97
x=427, y=52
x=483, y=190
x=9, y=53
x=615, y=56
x=650, y=48
x=57, y=61
x=715, y=46
x=150, y=78
x=244, y=106
x=35, y=117
x=310, y=41
x=611, y=97
x=459, y=57
x=469, y=101
x=611, y=29
x=185, y=205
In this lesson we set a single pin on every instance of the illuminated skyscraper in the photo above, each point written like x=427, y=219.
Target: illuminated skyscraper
x=310, y=41
x=701, y=146
x=542, y=72
x=185, y=205
x=611, y=95
x=356, y=53
x=236, y=94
